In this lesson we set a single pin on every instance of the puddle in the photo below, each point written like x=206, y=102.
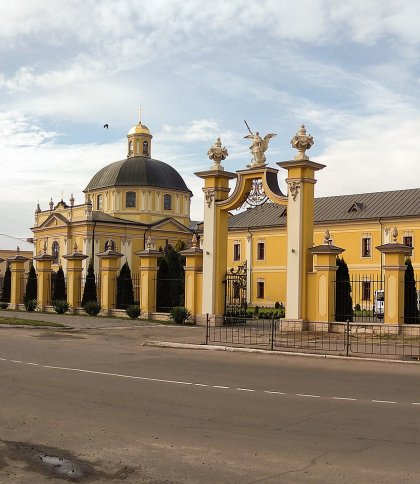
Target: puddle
x=61, y=466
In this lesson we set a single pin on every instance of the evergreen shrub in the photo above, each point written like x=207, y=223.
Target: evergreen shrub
x=60, y=306
x=30, y=304
x=133, y=311
x=179, y=314
x=89, y=291
x=93, y=308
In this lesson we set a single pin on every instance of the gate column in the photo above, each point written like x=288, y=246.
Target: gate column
x=148, y=274
x=74, y=278
x=43, y=267
x=17, y=269
x=193, y=278
x=109, y=265
x=394, y=269
x=300, y=225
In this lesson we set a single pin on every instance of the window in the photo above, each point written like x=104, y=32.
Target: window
x=366, y=290
x=130, y=147
x=167, y=202
x=260, y=289
x=408, y=240
x=130, y=199
x=236, y=251
x=366, y=247
x=110, y=245
x=145, y=148
x=99, y=202
x=260, y=250
x=55, y=251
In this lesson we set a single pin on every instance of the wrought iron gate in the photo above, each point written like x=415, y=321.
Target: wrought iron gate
x=235, y=292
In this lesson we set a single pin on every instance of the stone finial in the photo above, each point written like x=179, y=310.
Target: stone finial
x=302, y=142
x=194, y=241
x=217, y=153
x=51, y=204
x=17, y=250
x=149, y=242
x=38, y=208
x=71, y=200
x=395, y=234
x=327, y=237
x=45, y=247
x=75, y=247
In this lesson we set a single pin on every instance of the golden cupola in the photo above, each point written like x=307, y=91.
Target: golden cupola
x=139, y=141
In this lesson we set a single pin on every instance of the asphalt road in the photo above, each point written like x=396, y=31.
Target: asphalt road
x=97, y=406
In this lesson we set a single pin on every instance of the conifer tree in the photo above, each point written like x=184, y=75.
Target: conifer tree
x=411, y=311
x=31, y=292
x=59, y=290
x=89, y=291
x=7, y=286
x=125, y=291
x=343, y=299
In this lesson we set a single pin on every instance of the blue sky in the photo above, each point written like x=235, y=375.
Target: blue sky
x=348, y=69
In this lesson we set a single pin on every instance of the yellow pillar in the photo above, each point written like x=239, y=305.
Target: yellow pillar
x=17, y=269
x=44, y=271
x=74, y=278
x=394, y=269
x=193, y=281
x=325, y=267
x=300, y=225
x=109, y=264
x=216, y=189
x=148, y=274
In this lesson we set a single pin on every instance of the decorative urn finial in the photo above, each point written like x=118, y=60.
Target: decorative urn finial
x=38, y=208
x=302, y=142
x=75, y=247
x=149, y=242
x=395, y=234
x=194, y=241
x=17, y=250
x=71, y=200
x=327, y=237
x=217, y=153
x=51, y=204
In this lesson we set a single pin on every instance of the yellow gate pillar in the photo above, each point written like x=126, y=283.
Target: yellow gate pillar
x=300, y=225
x=193, y=278
x=74, y=278
x=216, y=189
x=394, y=269
x=43, y=268
x=17, y=269
x=325, y=266
x=109, y=264
x=148, y=274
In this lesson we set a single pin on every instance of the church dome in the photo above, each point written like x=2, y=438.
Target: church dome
x=138, y=171
x=139, y=129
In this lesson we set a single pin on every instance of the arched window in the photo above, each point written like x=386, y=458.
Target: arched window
x=145, y=148
x=167, y=202
x=99, y=202
x=130, y=199
x=109, y=245
x=55, y=251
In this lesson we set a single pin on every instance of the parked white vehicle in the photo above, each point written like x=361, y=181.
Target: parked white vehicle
x=378, y=303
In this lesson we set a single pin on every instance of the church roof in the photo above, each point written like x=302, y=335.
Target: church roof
x=138, y=171
x=340, y=208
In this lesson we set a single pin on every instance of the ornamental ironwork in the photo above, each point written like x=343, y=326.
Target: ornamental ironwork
x=256, y=196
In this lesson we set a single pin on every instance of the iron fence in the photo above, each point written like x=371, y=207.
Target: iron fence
x=169, y=294
x=323, y=338
x=127, y=291
x=412, y=301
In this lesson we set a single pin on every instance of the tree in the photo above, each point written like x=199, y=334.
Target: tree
x=343, y=299
x=31, y=292
x=170, y=280
x=7, y=286
x=411, y=311
x=125, y=291
x=59, y=289
x=89, y=291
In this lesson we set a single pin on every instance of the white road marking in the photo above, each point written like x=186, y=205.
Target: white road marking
x=160, y=380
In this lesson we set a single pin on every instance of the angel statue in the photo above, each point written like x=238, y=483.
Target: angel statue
x=258, y=147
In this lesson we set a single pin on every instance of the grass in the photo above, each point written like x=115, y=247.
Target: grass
x=27, y=322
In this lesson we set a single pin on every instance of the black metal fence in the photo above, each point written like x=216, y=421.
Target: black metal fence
x=169, y=294
x=127, y=291
x=324, y=338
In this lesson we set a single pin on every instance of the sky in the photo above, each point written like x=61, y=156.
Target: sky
x=347, y=69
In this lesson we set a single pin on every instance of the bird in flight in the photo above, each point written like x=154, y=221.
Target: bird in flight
x=106, y=126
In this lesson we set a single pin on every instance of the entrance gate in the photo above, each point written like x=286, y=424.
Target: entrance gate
x=235, y=293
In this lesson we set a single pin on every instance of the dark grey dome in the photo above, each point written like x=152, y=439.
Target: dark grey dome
x=138, y=171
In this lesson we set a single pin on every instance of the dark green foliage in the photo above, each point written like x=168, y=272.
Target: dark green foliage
x=59, y=288
x=89, y=291
x=277, y=305
x=125, y=291
x=133, y=311
x=343, y=299
x=411, y=312
x=60, y=306
x=30, y=304
x=179, y=315
x=7, y=286
x=31, y=292
x=4, y=305
x=93, y=308
x=357, y=307
x=170, y=280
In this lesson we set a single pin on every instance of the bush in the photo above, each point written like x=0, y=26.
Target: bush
x=179, y=314
x=277, y=305
x=93, y=308
x=7, y=282
x=357, y=307
x=133, y=311
x=89, y=291
x=60, y=306
x=125, y=291
x=30, y=304
x=59, y=289
x=31, y=291
x=4, y=305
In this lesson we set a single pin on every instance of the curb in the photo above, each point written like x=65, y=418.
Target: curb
x=232, y=349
